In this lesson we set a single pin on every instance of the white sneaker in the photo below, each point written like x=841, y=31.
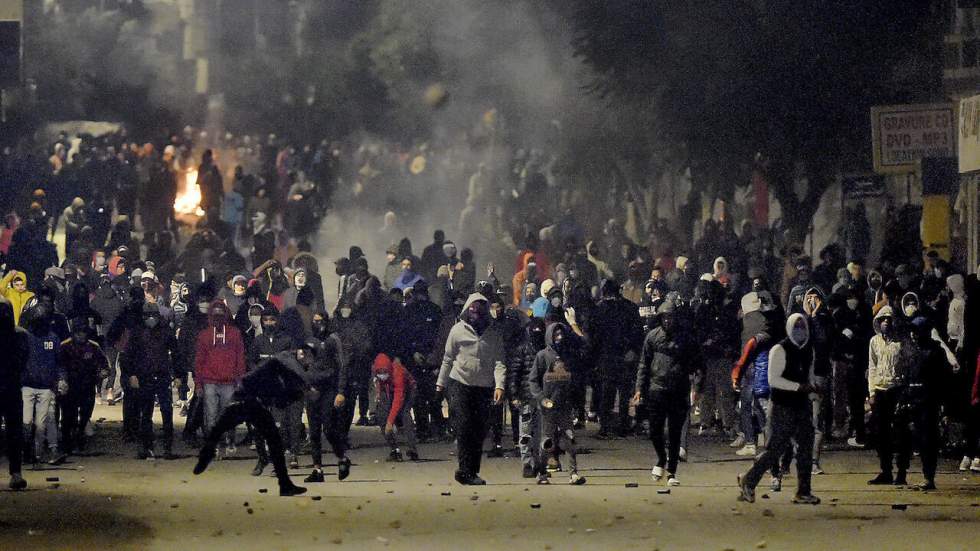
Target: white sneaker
x=738, y=442
x=89, y=430
x=815, y=469
x=853, y=442
x=657, y=473
x=965, y=464
x=672, y=480
x=776, y=484
x=747, y=450
x=975, y=466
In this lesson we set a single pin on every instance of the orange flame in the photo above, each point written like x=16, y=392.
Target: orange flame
x=189, y=199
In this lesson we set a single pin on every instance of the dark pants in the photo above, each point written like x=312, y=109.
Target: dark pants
x=290, y=419
x=886, y=437
x=252, y=412
x=131, y=409
x=12, y=411
x=616, y=390
x=918, y=426
x=151, y=390
x=428, y=412
x=195, y=414
x=857, y=391
x=670, y=409
x=469, y=409
x=973, y=432
x=498, y=416
x=324, y=418
x=76, y=412
x=788, y=424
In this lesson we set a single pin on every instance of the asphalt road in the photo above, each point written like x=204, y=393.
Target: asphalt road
x=109, y=500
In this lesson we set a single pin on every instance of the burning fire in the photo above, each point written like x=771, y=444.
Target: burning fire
x=189, y=198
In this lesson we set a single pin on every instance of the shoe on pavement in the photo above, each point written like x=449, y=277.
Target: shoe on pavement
x=747, y=450
x=259, y=467
x=343, y=468
x=901, y=479
x=527, y=472
x=315, y=476
x=89, y=431
x=395, y=456
x=672, y=480
x=543, y=479
x=291, y=490
x=965, y=464
x=808, y=499
x=291, y=459
x=497, y=451
x=57, y=458
x=204, y=458
x=815, y=469
x=776, y=484
x=17, y=482
x=657, y=472
x=738, y=442
x=575, y=480
x=975, y=466
x=745, y=494
x=854, y=442
x=926, y=485
x=881, y=480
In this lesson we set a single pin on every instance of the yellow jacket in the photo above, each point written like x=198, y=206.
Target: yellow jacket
x=18, y=299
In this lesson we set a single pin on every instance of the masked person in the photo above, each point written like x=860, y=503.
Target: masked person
x=423, y=319
x=473, y=369
x=15, y=344
x=550, y=384
x=663, y=380
x=396, y=396
x=276, y=382
x=356, y=339
x=823, y=342
x=85, y=365
x=219, y=365
x=43, y=379
x=792, y=381
x=322, y=359
x=270, y=343
x=146, y=362
x=518, y=372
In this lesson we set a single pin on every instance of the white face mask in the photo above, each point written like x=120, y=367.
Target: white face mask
x=152, y=322
x=910, y=310
x=345, y=312
x=255, y=320
x=382, y=377
x=202, y=307
x=852, y=303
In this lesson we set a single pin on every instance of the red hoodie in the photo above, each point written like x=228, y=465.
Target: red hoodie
x=220, y=357
x=396, y=385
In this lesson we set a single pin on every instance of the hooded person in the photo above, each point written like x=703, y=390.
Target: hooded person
x=146, y=363
x=716, y=324
x=14, y=341
x=85, y=366
x=791, y=418
x=408, y=276
x=823, y=342
x=275, y=383
x=396, y=389
x=274, y=283
x=322, y=358
x=663, y=381
x=883, y=388
x=473, y=369
x=356, y=338
x=912, y=309
x=41, y=381
x=615, y=332
x=541, y=305
x=720, y=272
x=519, y=391
x=219, y=363
x=423, y=319
x=957, y=310
x=234, y=294
x=636, y=281
x=263, y=239
x=13, y=287
x=433, y=256
x=393, y=266
x=314, y=281
x=297, y=320
x=551, y=383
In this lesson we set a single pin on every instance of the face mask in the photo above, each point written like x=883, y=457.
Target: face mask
x=345, y=312
x=493, y=313
x=556, y=302
x=202, y=307
x=151, y=322
x=300, y=282
x=268, y=327
x=852, y=303
x=910, y=310
x=239, y=291
x=382, y=377
x=255, y=320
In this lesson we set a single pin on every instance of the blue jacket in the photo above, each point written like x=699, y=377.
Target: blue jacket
x=760, y=374
x=43, y=370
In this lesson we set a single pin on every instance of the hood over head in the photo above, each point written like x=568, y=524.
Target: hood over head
x=956, y=284
x=218, y=313
x=885, y=312
x=721, y=266
x=546, y=287
x=751, y=302
x=911, y=300
x=549, y=334
x=798, y=330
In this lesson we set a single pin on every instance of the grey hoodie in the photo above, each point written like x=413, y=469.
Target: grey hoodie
x=957, y=308
x=882, y=356
x=551, y=375
x=471, y=359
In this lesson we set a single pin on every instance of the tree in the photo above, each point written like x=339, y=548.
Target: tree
x=793, y=80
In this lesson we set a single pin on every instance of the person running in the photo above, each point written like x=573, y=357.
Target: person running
x=322, y=358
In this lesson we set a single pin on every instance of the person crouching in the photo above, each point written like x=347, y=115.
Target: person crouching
x=396, y=396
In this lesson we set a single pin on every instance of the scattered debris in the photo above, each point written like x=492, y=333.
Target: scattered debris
x=535, y=505
x=174, y=505
x=277, y=532
x=900, y=507
x=390, y=491
x=396, y=524
x=571, y=530
x=245, y=504
x=52, y=479
x=768, y=513
x=316, y=498
x=663, y=491
x=632, y=485
x=217, y=533
x=381, y=540
x=447, y=493
x=250, y=511
x=765, y=496
x=337, y=541
x=590, y=530
x=761, y=545
x=474, y=498
x=263, y=490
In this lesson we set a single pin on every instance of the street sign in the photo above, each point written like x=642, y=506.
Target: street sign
x=902, y=135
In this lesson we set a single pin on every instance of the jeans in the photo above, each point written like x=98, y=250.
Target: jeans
x=788, y=423
x=816, y=403
x=469, y=407
x=37, y=405
x=404, y=415
x=290, y=421
x=668, y=409
x=718, y=394
x=324, y=418
x=529, y=431
x=556, y=431
x=155, y=389
x=216, y=398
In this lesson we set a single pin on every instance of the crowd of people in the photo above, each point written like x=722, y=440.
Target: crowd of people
x=227, y=319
